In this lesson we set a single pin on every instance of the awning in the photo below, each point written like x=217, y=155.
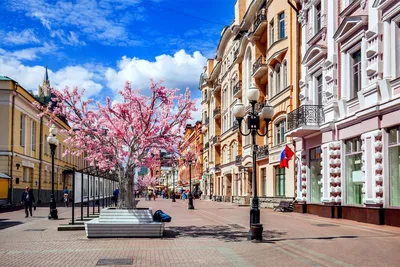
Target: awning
x=4, y=176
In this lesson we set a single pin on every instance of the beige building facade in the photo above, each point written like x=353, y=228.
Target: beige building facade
x=260, y=48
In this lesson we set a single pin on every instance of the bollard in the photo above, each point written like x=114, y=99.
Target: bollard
x=256, y=231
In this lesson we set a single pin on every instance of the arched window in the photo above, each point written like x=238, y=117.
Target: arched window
x=271, y=85
x=278, y=77
x=248, y=75
x=234, y=150
x=285, y=78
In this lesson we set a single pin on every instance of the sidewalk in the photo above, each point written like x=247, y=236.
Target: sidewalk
x=214, y=234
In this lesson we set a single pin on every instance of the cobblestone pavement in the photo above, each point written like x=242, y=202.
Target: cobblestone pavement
x=214, y=234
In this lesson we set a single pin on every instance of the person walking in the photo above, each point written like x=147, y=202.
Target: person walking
x=28, y=199
x=115, y=195
x=66, y=196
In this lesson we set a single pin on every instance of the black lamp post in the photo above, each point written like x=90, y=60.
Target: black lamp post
x=190, y=161
x=253, y=123
x=53, y=142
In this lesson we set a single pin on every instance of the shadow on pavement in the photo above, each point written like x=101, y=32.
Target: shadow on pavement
x=220, y=232
x=312, y=238
x=4, y=224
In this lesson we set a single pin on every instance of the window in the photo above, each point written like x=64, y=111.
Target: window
x=394, y=166
x=285, y=78
x=27, y=173
x=318, y=18
x=270, y=84
x=278, y=77
x=281, y=17
x=264, y=181
x=279, y=181
x=319, y=90
x=356, y=71
x=46, y=145
x=33, y=135
x=315, y=174
x=271, y=32
x=22, y=130
x=280, y=132
x=353, y=171
x=45, y=176
x=234, y=151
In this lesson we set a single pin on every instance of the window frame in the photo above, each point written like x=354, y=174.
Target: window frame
x=22, y=130
x=318, y=17
x=271, y=32
x=281, y=27
x=355, y=70
x=320, y=89
x=278, y=133
x=33, y=135
x=280, y=174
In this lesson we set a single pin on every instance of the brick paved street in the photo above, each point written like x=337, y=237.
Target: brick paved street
x=212, y=235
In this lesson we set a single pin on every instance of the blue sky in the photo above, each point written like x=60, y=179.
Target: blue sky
x=98, y=44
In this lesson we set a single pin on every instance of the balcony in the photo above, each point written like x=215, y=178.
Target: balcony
x=305, y=120
x=238, y=160
x=217, y=168
x=217, y=112
x=217, y=140
x=206, y=145
x=260, y=67
x=262, y=152
x=237, y=88
x=260, y=24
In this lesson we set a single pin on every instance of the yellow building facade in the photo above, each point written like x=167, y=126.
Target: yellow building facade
x=260, y=48
x=25, y=157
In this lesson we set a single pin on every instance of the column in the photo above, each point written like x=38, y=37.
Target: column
x=387, y=68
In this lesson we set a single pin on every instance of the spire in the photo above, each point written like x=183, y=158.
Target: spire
x=46, y=76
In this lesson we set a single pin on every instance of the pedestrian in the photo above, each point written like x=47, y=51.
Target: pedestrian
x=28, y=199
x=182, y=190
x=115, y=195
x=150, y=194
x=200, y=193
x=162, y=194
x=155, y=195
x=66, y=196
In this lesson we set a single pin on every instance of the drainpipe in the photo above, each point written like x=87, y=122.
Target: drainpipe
x=40, y=160
x=11, y=194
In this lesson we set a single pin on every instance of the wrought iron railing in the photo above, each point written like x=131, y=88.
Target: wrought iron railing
x=217, y=111
x=216, y=139
x=259, y=62
x=262, y=151
x=237, y=87
x=238, y=160
x=305, y=115
x=206, y=145
x=235, y=125
x=260, y=18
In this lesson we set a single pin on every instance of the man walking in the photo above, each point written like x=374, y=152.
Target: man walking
x=115, y=195
x=28, y=199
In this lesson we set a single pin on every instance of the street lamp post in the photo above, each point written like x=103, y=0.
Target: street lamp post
x=190, y=161
x=53, y=142
x=253, y=123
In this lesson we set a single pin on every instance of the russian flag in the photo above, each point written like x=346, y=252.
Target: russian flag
x=286, y=155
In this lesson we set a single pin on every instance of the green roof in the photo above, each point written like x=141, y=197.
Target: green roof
x=5, y=78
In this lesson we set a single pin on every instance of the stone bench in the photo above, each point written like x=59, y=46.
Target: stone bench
x=124, y=223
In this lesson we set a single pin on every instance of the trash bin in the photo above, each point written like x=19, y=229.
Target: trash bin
x=256, y=231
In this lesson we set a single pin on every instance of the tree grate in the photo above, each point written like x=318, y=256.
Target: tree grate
x=34, y=230
x=126, y=261
x=236, y=226
x=325, y=225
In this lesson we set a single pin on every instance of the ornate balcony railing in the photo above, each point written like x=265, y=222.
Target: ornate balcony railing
x=235, y=125
x=216, y=139
x=306, y=115
x=217, y=112
x=260, y=18
x=262, y=152
x=237, y=87
x=217, y=167
x=238, y=160
x=259, y=62
x=206, y=145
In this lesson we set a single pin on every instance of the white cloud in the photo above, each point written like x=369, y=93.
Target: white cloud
x=19, y=38
x=105, y=21
x=67, y=39
x=31, y=53
x=31, y=76
x=178, y=71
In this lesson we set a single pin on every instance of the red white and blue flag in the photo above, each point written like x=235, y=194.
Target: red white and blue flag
x=286, y=155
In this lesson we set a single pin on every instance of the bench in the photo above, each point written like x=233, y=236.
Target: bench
x=284, y=205
x=124, y=223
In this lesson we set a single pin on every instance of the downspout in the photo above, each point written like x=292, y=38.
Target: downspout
x=12, y=144
x=40, y=160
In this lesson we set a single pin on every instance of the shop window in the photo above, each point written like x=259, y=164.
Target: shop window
x=315, y=174
x=394, y=167
x=353, y=163
x=279, y=181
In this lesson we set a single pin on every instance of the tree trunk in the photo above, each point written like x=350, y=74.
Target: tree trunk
x=126, y=190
